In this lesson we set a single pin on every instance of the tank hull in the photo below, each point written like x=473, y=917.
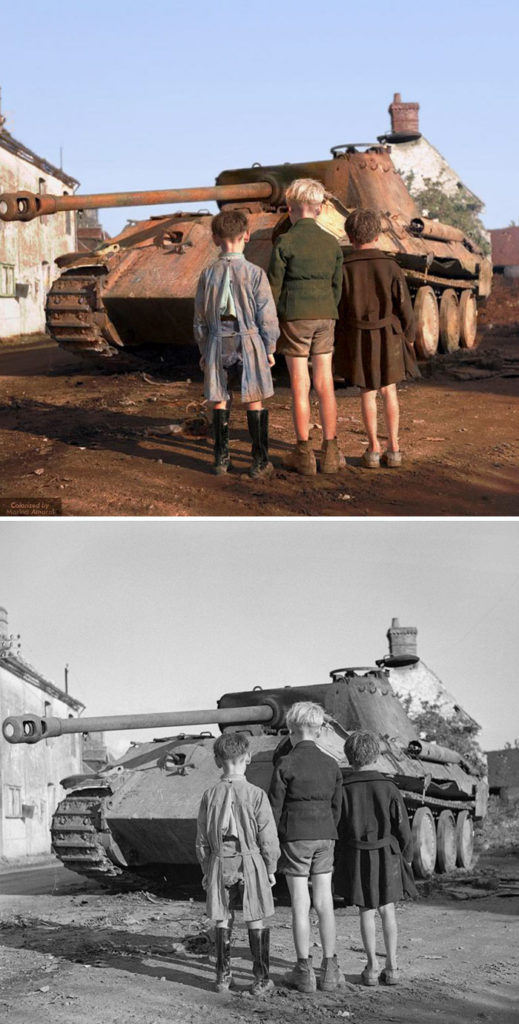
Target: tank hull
x=131, y=301
x=138, y=817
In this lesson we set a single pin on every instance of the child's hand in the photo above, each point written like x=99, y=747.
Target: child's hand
x=271, y=359
x=272, y=880
x=202, y=363
x=204, y=883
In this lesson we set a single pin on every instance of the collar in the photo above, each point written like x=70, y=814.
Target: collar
x=366, y=254
x=353, y=775
x=305, y=221
x=232, y=256
x=304, y=743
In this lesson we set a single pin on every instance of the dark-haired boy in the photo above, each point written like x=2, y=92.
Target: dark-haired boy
x=375, y=332
x=237, y=846
x=236, y=329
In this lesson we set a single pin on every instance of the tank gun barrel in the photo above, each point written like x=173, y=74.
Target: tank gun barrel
x=28, y=205
x=32, y=728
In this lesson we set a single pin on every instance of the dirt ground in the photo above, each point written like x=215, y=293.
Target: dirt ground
x=118, y=959
x=117, y=445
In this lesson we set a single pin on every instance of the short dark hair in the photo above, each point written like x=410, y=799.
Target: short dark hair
x=230, y=746
x=361, y=748
x=230, y=224
x=362, y=226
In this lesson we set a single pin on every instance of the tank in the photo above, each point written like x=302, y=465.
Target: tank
x=137, y=817
x=130, y=302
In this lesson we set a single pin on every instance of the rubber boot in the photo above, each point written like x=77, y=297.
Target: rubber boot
x=222, y=462
x=224, y=980
x=302, y=459
x=331, y=458
x=259, y=942
x=258, y=424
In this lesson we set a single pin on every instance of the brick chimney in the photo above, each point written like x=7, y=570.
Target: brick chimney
x=402, y=640
x=404, y=117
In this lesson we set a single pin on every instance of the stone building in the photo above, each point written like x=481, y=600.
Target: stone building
x=505, y=251
x=28, y=250
x=417, y=160
x=503, y=774
x=411, y=678
x=30, y=774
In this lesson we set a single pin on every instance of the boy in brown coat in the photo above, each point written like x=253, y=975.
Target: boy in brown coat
x=375, y=332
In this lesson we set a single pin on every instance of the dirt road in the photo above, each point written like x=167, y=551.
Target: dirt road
x=120, y=959
x=116, y=445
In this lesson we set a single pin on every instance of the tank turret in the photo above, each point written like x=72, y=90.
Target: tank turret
x=138, y=815
x=131, y=300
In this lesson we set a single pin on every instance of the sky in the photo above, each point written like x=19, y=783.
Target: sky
x=167, y=94
x=169, y=615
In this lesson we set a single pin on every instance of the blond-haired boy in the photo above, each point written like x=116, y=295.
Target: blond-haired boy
x=305, y=794
x=305, y=275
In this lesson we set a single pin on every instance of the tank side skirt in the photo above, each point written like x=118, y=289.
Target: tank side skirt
x=416, y=798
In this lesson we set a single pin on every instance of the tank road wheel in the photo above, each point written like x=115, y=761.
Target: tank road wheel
x=468, y=320
x=446, y=837
x=449, y=321
x=464, y=840
x=424, y=843
x=427, y=322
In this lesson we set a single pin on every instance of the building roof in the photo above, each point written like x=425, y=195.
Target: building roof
x=505, y=246
x=17, y=666
x=13, y=146
x=503, y=767
x=422, y=685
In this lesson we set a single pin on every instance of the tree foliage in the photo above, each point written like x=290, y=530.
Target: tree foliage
x=434, y=727
x=461, y=209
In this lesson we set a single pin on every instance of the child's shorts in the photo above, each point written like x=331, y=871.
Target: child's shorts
x=306, y=857
x=305, y=337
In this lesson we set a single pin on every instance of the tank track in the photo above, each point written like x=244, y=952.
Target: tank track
x=77, y=320
x=82, y=840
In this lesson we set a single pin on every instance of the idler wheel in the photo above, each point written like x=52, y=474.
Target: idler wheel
x=449, y=321
x=464, y=840
x=427, y=322
x=424, y=843
x=468, y=320
x=446, y=841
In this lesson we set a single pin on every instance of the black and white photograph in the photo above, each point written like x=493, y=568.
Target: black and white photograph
x=180, y=700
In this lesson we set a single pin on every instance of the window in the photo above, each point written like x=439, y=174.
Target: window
x=13, y=801
x=7, y=283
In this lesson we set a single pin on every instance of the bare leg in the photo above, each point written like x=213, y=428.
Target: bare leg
x=300, y=899
x=368, y=933
x=300, y=386
x=391, y=415
x=253, y=406
x=254, y=925
x=323, y=384
x=323, y=903
x=390, y=932
x=368, y=404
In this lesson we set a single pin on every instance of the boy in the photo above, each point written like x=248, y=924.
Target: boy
x=305, y=274
x=236, y=329
x=305, y=794
x=375, y=333
x=376, y=869
x=238, y=849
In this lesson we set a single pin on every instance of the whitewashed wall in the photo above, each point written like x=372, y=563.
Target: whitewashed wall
x=30, y=248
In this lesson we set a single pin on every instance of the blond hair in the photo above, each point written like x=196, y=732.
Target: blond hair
x=305, y=715
x=305, y=190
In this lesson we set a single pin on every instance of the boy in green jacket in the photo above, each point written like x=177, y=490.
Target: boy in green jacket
x=305, y=275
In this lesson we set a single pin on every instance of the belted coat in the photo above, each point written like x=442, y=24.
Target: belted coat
x=257, y=326
x=375, y=847
x=374, y=335
x=234, y=798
